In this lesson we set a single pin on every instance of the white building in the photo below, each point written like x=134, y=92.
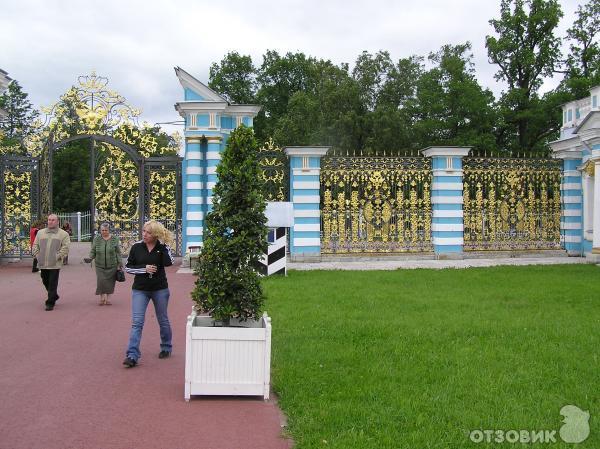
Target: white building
x=579, y=148
x=4, y=81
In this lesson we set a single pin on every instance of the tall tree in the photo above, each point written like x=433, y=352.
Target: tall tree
x=371, y=73
x=452, y=108
x=234, y=78
x=18, y=125
x=391, y=124
x=526, y=50
x=71, y=178
x=279, y=78
x=339, y=107
x=583, y=62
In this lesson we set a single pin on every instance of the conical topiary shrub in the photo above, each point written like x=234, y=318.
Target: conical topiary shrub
x=235, y=236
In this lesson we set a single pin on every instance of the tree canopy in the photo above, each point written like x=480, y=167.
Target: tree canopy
x=387, y=106
x=383, y=105
x=18, y=125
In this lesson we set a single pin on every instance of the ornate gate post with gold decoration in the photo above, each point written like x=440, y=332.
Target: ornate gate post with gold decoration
x=209, y=118
x=447, y=200
x=305, y=185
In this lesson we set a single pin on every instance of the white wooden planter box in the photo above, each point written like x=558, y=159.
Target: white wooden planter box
x=232, y=361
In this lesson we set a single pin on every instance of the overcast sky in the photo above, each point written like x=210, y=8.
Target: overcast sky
x=45, y=45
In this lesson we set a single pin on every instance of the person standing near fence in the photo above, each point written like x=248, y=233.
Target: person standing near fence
x=147, y=261
x=106, y=251
x=67, y=228
x=50, y=247
x=35, y=227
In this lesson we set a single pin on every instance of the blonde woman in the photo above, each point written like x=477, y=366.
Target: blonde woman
x=147, y=261
x=106, y=250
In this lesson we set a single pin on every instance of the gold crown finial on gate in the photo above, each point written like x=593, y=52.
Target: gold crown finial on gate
x=95, y=105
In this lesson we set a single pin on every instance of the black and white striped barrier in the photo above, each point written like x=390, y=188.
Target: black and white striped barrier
x=280, y=216
x=274, y=262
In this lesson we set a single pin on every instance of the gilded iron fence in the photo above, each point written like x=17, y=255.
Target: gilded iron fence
x=375, y=205
x=275, y=172
x=511, y=204
x=19, y=203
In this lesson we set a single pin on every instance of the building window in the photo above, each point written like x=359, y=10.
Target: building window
x=595, y=101
x=577, y=113
x=570, y=115
x=564, y=117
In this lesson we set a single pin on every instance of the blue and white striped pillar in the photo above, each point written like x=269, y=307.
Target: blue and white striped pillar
x=571, y=220
x=305, y=185
x=447, y=226
x=202, y=156
x=213, y=158
x=193, y=195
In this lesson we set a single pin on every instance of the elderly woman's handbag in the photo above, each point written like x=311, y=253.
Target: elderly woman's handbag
x=120, y=276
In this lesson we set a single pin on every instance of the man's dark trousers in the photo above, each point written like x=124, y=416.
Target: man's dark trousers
x=50, y=280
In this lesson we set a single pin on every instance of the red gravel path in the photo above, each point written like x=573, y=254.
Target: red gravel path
x=62, y=385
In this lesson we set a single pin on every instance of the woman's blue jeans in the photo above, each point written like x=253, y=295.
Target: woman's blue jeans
x=139, y=303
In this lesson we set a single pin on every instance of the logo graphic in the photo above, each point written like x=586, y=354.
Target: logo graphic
x=576, y=427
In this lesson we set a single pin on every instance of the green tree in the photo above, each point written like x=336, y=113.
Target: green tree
x=371, y=74
x=583, y=62
x=279, y=78
x=400, y=88
x=300, y=122
x=339, y=108
x=234, y=78
x=526, y=50
x=18, y=125
x=71, y=178
x=452, y=108
x=391, y=125
x=234, y=235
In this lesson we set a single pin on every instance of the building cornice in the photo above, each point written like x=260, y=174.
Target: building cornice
x=569, y=148
x=590, y=137
x=306, y=151
x=446, y=151
x=198, y=107
x=243, y=109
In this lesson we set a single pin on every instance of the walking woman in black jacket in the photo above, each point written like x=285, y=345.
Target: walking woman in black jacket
x=147, y=261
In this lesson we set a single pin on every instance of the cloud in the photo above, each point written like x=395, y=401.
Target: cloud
x=45, y=45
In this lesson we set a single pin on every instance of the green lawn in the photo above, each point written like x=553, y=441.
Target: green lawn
x=419, y=358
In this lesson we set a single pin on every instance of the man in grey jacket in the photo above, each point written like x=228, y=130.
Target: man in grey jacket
x=51, y=247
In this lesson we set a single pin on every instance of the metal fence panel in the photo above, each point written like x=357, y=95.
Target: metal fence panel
x=376, y=204
x=511, y=204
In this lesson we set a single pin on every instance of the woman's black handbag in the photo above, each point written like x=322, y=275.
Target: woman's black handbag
x=120, y=276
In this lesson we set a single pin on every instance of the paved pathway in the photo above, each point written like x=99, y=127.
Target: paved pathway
x=424, y=263
x=434, y=264
x=62, y=385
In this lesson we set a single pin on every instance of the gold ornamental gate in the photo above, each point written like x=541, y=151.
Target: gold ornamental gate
x=19, y=203
x=376, y=205
x=511, y=204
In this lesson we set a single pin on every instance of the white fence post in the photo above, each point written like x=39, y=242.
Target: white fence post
x=79, y=226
